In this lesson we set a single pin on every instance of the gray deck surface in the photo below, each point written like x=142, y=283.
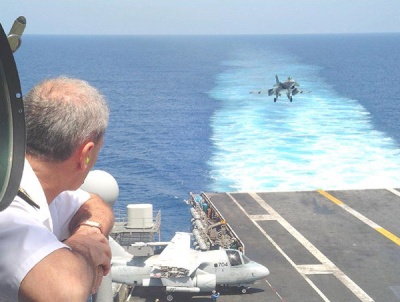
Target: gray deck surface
x=316, y=249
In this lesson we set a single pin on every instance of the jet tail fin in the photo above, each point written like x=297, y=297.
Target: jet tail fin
x=118, y=251
x=276, y=78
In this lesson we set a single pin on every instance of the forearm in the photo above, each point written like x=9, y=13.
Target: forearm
x=95, y=209
x=90, y=244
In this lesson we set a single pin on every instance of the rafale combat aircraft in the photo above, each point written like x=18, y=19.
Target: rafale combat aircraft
x=180, y=269
x=289, y=87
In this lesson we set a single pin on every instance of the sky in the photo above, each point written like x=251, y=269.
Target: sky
x=202, y=17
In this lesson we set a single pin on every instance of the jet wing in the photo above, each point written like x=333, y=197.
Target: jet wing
x=177, y=259
x=260, y=91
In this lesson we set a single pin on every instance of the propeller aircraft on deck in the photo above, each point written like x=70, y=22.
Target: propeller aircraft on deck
x=180, y=269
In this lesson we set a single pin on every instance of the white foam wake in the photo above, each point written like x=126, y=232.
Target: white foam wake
x=321, y=140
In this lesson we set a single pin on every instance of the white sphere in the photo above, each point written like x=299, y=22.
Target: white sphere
x=103, y=184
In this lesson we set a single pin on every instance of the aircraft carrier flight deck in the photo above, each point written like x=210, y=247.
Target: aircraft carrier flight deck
x=337, y=246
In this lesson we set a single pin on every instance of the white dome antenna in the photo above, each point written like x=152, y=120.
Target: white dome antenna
x=103, y=184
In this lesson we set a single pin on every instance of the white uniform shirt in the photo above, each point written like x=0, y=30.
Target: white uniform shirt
x=28, y=234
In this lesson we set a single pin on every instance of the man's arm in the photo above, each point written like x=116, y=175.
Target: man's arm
x=95, y=209
x=72, y=275
x=68, y=275
x=98, y=211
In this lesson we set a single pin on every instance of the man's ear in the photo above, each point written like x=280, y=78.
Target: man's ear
x=85, y=154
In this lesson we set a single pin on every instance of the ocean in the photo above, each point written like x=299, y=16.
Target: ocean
x=183, y=118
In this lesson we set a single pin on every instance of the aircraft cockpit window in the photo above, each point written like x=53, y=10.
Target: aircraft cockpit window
x=245, y=259
x=234, y=257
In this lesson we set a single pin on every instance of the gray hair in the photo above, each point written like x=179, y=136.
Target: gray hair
x=61, y=114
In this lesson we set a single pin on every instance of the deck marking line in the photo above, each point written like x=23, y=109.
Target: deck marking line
x=309, y=269
x=361, y=217
x=279, y=249
x=396, y=290
x=261, y=217
x=350, y=284
x=330, y=197
x=389, y=235
x=273, y=289
x=395, y=192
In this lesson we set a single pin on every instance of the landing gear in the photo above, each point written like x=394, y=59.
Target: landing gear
x=243, y=289
x=177, y=296
x=291, y=98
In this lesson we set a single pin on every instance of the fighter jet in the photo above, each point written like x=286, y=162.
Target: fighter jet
x=289, y=87
x=180, y=269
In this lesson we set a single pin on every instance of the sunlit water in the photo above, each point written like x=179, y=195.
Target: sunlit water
x=182, y=118
x=319, y=141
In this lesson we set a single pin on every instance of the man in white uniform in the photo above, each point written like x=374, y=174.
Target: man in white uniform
x=53, y=236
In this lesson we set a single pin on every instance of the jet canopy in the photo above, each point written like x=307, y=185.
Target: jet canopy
x=236, y=258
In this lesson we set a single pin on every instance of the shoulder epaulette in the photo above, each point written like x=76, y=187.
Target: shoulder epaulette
x=22, y=194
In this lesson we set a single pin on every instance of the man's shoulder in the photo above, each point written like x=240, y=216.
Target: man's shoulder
x=22, y=223
x=18, y=212
x=68, y=202
x=78, y=194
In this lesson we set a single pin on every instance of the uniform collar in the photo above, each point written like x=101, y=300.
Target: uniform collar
x=30, y=183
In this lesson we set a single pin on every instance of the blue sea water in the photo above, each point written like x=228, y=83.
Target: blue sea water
x=183, y=120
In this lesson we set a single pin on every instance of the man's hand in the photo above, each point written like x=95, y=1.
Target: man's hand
x=94, y=247
x=91, y=242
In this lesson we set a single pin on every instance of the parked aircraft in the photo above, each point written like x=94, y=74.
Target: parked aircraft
x=289, y=87
x=180, y=269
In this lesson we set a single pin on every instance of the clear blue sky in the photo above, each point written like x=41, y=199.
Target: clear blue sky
x=202, y=16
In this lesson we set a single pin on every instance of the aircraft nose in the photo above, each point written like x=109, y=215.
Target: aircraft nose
x=261, y=272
